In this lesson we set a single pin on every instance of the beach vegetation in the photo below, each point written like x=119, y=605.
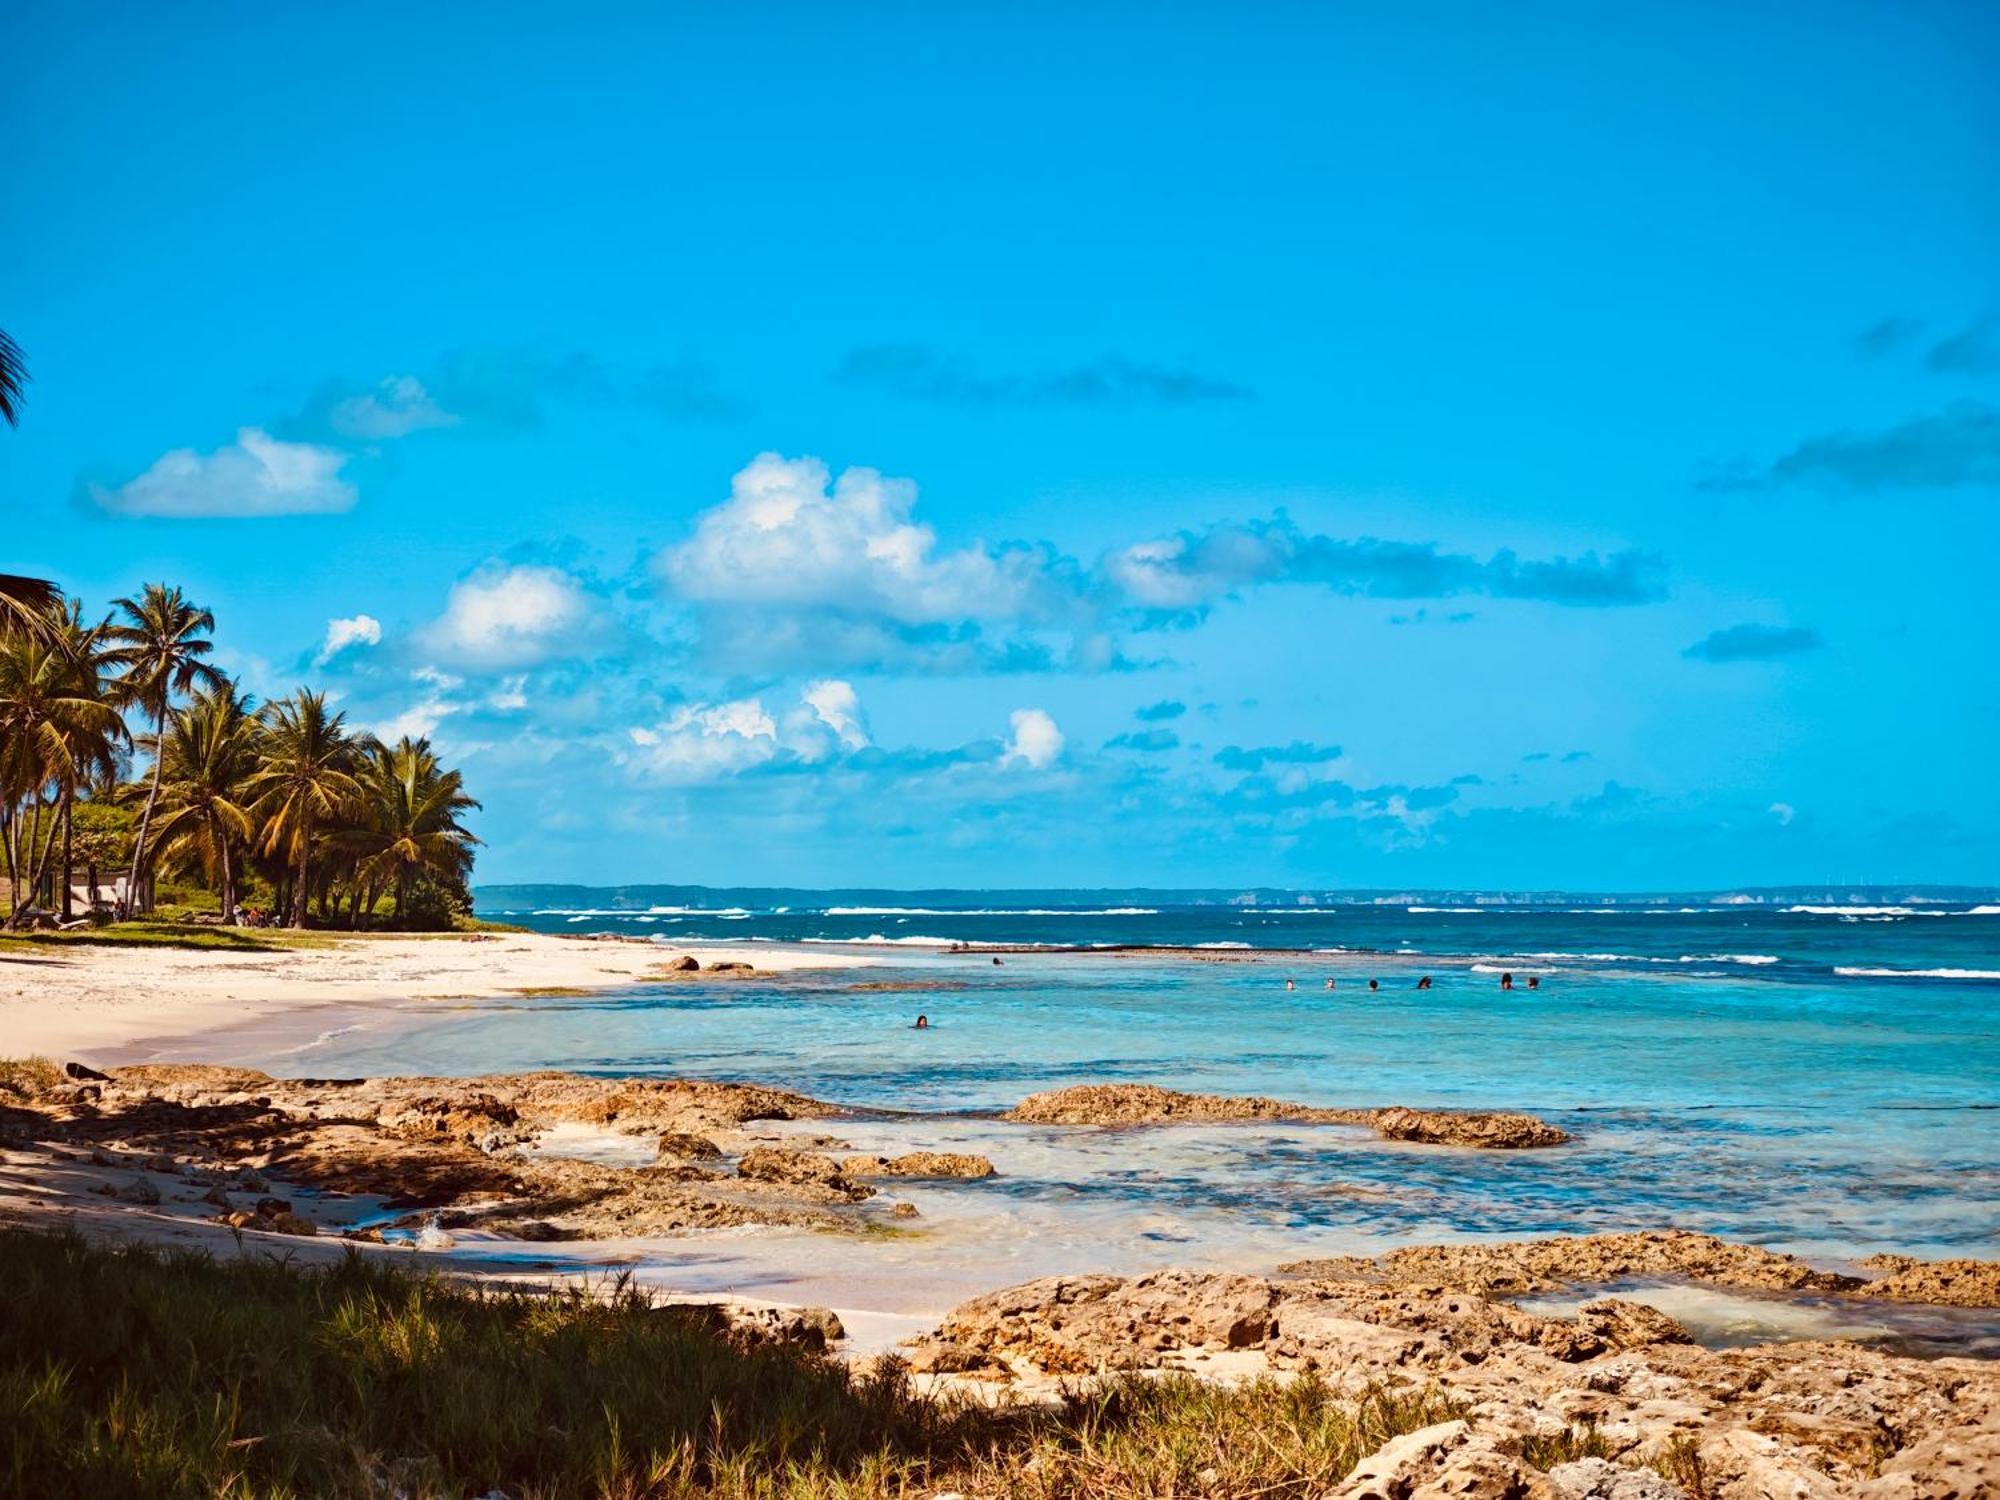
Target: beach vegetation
x=143, y=1371
x=282, y=808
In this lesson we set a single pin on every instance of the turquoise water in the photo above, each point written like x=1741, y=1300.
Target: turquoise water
x=1765, y=1096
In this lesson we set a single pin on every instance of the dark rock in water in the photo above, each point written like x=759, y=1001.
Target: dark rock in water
x=731, y=966
x=687, y=963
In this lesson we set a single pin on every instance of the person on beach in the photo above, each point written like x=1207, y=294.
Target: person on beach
x=1506, y=981
x=923, y=1023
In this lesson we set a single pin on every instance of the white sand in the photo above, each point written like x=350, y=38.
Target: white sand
x=95, y=1002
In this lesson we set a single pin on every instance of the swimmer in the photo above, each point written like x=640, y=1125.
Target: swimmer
x=1289, y=985
x=996, y=962
x=1424, y=983
x=1329, y=984
x=1534, y=981
x=1506, y=981
x=923, y=1023
x=1374, y=984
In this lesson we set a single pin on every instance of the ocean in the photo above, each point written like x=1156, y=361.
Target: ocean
x=1812, y=1077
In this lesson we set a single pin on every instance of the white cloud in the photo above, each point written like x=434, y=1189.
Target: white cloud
x=396, y=408
x=838, y=706
x=510, y=616
x=356, y=630
x=700, y=742
x=787, y=537
x=1036, y=742
x=510, y=695
x=257, y=475
x=418, y=722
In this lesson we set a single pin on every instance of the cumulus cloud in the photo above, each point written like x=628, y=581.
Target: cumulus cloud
x=257, y=475
x=700, y=742
x=1035, y=742
x=1753, y=643
x=1191, y=570
x=921, y=374
x=396, y=408
x=1952, y=449
x=789, y=535
x=510, y=616
x=356, y=630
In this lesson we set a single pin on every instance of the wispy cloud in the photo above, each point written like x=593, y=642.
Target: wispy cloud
x=1148, y=740
x=1973, y=350
x=1297, y=753
x=1951, y=449
x=1191, y=570
x=1154, y=713
x=257, y=475
x=1887, y=336
x=1751, y=642
x=921, y=374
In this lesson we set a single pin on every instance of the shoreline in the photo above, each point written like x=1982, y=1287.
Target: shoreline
x=106, y=1003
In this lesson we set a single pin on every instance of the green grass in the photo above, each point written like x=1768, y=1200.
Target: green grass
x=141, y=1372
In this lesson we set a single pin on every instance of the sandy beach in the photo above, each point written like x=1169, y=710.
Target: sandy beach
x=101, y=1003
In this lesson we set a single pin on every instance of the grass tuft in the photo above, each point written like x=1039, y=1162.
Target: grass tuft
x=138, y=1371
x=29, y=1079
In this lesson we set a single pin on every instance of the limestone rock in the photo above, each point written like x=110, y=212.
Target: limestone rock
x=1600, y=1479
x=919, y=1164
x=810, y=1169
x=680, y=1145
x=1492, y=1130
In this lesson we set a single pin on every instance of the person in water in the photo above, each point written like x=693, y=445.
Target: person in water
x=1424, y=983
x=1329, y=984
x=1374, y=984
x=1534, y=981
x=923, y=1023
x=1506, y=981
x=1290, y=985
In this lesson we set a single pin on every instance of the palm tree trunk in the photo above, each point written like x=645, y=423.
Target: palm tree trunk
x=300, y=895
x=68, y=861
x=13, y=868
x=146, y=818
x=228, y=881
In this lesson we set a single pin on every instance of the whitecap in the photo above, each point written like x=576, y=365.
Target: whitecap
x=1870, y=973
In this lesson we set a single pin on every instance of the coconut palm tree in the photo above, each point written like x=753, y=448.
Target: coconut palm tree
x=209, y=753
x=27, y=603
x=304, y=783
x=160, y=651
x=13, y=379
x=59, y=727
x=409, y=825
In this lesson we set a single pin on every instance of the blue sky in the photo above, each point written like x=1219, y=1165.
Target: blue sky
x=1362, y=445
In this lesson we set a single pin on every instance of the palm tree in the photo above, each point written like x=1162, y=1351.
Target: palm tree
x=13, y=379
x=409, y=825
x=58, y=728
x=304, y=782
x=161, y=647
x=210, y=754
x=26, y=603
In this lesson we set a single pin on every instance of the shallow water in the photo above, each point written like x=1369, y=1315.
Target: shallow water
x=1837, y=1118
